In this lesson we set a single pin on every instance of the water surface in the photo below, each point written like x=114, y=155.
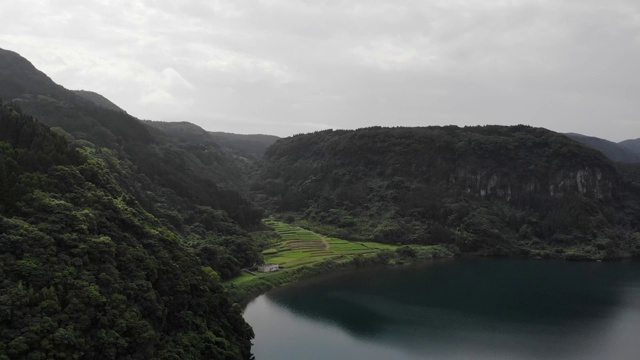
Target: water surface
x=456, y=309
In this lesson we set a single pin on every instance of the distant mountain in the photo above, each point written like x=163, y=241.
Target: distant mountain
x=98, y=99
x=249, y=146
x=184, y=131
x=620, y=152
x=631, y=145
x=485, y=190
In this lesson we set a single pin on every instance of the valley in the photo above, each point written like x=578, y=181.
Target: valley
x=125, y=238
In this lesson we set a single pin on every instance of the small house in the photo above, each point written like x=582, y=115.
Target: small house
x=268, y=268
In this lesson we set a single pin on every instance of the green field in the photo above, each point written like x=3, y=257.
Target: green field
x=299, y=247
x=303, y=254
x=296, y=249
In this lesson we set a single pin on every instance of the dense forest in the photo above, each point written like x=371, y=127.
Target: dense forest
x=488, y=190
x=87, y=272
x=194, y=188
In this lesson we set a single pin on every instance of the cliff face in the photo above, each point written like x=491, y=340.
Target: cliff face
x=591, y=182
x=447, y=184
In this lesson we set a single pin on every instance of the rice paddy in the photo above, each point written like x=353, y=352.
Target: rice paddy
x=299, y=247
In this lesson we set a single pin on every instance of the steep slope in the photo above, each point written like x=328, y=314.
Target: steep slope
x=86, y=272
x=98, y=99
x=19, y=76
x=486, y=190
x=614, y=151
x=185, y=185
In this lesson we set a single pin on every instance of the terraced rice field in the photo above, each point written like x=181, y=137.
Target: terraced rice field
x=300, y=247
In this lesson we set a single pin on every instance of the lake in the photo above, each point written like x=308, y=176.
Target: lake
x=455, y=309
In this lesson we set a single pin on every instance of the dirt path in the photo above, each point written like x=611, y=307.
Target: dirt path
x=324, y=241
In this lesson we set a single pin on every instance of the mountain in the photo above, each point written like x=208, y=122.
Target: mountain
x=618, y=152
x=19, y=77
x=631, y=145
x=98, y=100
x=182, y=202
x=201, y=174
x=87, y=272
x=483, y=190
x=185, y=132
x=250, y=147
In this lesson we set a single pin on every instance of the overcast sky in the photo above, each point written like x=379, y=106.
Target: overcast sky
x=285, y=67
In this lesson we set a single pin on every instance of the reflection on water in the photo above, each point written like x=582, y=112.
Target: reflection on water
x=475, y=309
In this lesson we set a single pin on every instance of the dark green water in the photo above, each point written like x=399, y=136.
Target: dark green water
x=456, y=309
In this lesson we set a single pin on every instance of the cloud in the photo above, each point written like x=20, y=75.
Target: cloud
x=284, y=67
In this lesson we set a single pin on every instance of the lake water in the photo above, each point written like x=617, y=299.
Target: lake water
x=455, y=309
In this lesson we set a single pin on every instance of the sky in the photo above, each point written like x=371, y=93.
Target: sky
x=286, y=67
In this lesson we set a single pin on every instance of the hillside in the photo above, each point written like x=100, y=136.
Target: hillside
x=251, y=147
x=484, y=190
x=19, y=77
x=98, y=99
x=179, y=182
x=181, y=201
x=87, y=272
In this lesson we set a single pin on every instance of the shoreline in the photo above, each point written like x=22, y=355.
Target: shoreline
x=243, y=293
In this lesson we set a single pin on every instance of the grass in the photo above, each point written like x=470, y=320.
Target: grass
x=299, y=247
x=244, y=278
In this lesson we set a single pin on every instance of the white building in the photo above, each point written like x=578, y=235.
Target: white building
x=268, y=267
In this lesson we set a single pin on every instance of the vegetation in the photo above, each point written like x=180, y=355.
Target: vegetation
x=98, y=100
x=88, y=273
x=492, y=190
x=301, y=253
x=251, y=147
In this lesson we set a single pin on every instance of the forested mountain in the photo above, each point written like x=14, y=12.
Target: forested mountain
x=98, y=99
x=88, y=273
x=251, y=147
x=618, y=152
x=192, y=187
x=184, y=197
x=485, y=190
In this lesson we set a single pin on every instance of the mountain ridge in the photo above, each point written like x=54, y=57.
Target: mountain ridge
x=486, y=189
x=615, y=151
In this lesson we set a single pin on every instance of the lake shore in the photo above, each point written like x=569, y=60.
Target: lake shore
x=303, y=254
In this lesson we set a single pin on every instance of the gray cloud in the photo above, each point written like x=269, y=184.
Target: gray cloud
x=285, y=67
